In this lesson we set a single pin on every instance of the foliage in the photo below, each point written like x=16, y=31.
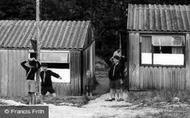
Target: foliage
x=108, y=16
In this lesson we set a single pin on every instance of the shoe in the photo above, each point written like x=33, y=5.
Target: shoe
x=110, y=99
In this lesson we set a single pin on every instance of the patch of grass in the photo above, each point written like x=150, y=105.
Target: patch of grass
x=66, y=100
x=150, y=98
x=170, y=114
x=17, y=99
x=77, y=101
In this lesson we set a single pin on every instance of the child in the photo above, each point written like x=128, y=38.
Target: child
x=115, y=76
x=90, y=84
x=46, y=82
x=31, y=66
x=122, y=68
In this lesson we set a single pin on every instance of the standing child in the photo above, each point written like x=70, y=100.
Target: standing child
x=90, y=84
x=115, y=76
x=31, y=66
x=122, y=68
x=46, y=82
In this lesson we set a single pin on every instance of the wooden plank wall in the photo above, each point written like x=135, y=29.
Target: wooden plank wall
x=12, y=75
x=187, y=50
x=162, y=78
x=88, y=62
x=86, y=66
x=133, y=60
x=149, y=77
x=74, y=87
x=93, y=57
x=12, y=81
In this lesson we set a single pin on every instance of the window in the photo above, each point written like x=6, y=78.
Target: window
x=57, y=61
x=62, y=69
x=162, y=49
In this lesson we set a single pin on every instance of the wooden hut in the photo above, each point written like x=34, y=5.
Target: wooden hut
x=159, y=46
x=65, y=45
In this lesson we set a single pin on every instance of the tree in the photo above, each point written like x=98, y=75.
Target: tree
x=108, y=16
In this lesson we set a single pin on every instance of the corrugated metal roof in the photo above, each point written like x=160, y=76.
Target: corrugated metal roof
x=158, y=17
x=54, y=34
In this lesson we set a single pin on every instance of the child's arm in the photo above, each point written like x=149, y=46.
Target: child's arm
x=55, y=75
x=24, y=66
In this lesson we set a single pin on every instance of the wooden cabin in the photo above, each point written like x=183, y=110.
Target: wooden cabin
x=159, y=46
x=68, y=47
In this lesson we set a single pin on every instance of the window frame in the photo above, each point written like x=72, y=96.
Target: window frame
x=152, y=50
x=69, y=67
x=42, y=62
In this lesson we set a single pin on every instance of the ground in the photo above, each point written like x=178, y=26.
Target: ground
x=99, y=108
x=138, y=105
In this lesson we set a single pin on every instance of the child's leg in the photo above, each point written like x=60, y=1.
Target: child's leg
x=91, y=94
x=86, y=90
x=52, y=91
x=33, y=97
x=90, y=91
x=121, y=94
x=112, y=93
x=125, y=95
x=117, y=94
x=29, y=98
x=30, y=91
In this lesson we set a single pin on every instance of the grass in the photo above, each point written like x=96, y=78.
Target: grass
x=163, y=100
x=159, y=96
x=61, y=100
x=77, y=101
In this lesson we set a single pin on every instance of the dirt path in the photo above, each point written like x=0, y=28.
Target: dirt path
x=99, y=108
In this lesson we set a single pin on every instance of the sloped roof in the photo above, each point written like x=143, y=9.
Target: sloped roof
x=54, y=34
x=158, y=17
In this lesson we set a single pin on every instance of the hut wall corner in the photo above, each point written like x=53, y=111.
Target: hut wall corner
x=133, y=60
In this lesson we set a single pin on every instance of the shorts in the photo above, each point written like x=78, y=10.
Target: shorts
x=31, y=85
x=47, y=89
x=115, y=84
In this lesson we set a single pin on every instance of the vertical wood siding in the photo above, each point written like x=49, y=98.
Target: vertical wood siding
x=86, y=66
x=133, y=60
x=187, y=58
x=12, y=81
x=93, y=58
x=149, y=77
x=162, y=78
x=88, y=62
x=74, y=87
x=12, y=75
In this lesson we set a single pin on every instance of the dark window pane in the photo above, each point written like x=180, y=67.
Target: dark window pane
x=166, y=49
x=156, y=49
x=57, y=65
